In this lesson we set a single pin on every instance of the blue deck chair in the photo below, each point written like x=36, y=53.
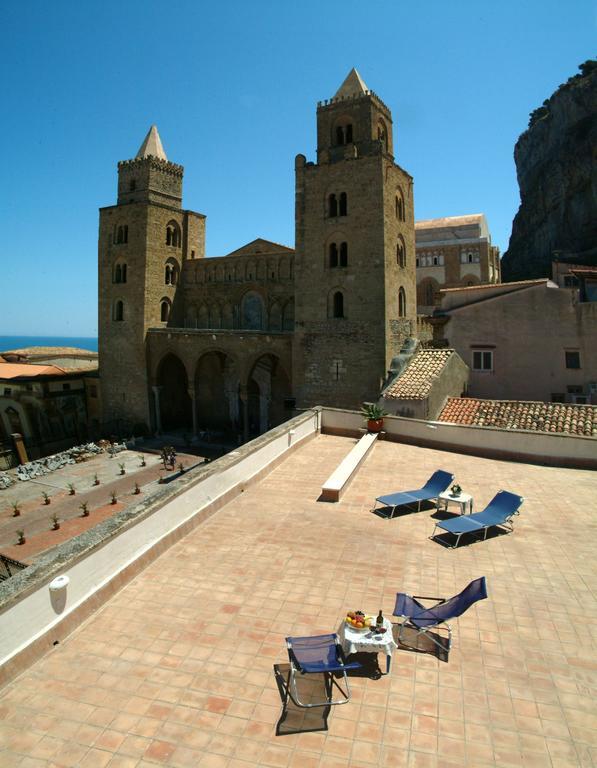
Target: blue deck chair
x=500, y=511
x=437, y=483
x=423, y=619
x=320, y=654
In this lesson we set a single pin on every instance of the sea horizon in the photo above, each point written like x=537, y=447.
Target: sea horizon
x=8, y=343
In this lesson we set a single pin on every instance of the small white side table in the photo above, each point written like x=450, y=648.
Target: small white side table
x=463, y=500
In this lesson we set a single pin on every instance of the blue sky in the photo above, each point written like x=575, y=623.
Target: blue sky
x=233, y=88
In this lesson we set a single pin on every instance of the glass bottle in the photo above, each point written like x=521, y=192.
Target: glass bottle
x=379, y=620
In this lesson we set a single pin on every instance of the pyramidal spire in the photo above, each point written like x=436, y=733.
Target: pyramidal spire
x=353, y=85
x=152, y=145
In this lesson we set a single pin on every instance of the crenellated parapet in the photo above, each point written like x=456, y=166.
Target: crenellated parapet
x=153, y=163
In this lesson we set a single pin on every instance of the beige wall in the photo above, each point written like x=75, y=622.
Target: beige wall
x=528, y=332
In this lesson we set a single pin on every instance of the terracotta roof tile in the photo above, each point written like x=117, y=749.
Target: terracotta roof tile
x=449, y=221
x=530, y=415
x=417, y=379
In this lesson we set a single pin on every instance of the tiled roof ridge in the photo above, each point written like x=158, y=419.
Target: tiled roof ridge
x=533, y=415
x=465, y=218
x=418, y=377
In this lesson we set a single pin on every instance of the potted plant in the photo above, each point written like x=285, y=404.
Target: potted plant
x=137, y=489
x=374, y=414
x=142, y=460
x=55, y=522
x=122, y=469
x=46, y=497
x=456, y=490
x=96, y=480
x=114, y=499
x=16, y=508
x=84, y=509
x=21, y=537
x=71, y=489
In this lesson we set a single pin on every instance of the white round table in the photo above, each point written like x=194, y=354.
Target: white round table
x=354, y=640
x=463, y=500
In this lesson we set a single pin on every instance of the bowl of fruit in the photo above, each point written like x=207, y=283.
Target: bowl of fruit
x=358, y=620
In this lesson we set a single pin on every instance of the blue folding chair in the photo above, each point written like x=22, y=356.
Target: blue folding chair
x=500, y=511
x=423, y=619
x=320, y=654
x=437, y=483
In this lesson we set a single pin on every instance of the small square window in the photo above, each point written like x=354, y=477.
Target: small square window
x=572, y=358
x=482, y=360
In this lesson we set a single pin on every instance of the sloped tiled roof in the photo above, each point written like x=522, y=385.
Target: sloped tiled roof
x=418, y=377
x=28, y=370
x=526, y=414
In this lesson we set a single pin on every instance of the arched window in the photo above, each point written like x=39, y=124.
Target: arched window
x=164, y=310
x=123, y=273
x=117, y=274
x=252, y=311
x=343, y=254
x=338, y=304
x=333, y=255
x=171, y=272
x=400, y=253
x=122, y=234
x=401, y=303
x=118, y=311
x=343, y=207
x=132, y=185
x=173, y=236
x=339, y=135
x=400, y=213
x=168, y=275
x=332, y=205
x=429, y=294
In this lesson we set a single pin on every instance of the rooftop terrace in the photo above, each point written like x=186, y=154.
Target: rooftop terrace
x=177, y=668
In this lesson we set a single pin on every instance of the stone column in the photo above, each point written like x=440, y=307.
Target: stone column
x=243, y=395
x=158, y=416
x=192, y=395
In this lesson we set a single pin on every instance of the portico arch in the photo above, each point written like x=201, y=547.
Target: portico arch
x=216, y=392
x=173, y=411
x=267, y=390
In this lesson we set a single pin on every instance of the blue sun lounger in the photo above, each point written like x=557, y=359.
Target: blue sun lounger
x=418, y=617
x=437, y=483
x=499, y=512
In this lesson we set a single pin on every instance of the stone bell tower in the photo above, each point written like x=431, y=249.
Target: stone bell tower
x=355, y=285
x=143, y=241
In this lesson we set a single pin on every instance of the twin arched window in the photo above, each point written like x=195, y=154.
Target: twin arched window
x=171, y=274
x=382, y=135
x=173, y=236
x=119, y=275
x=121, y=234
x=118, y=311
x=400, y=212
x=338, y=255
x=401, y=303
x=338, y=205
x=400, y=252
x=343, y=134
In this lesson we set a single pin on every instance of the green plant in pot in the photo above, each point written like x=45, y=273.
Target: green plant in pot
x=374, y=414
x=456, y=490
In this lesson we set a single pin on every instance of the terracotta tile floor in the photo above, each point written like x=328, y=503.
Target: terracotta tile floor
x=177, y=669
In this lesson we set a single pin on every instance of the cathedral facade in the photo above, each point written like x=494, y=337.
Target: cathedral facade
x=235, y=343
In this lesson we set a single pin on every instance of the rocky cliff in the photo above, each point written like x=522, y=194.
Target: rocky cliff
x=557, y=175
